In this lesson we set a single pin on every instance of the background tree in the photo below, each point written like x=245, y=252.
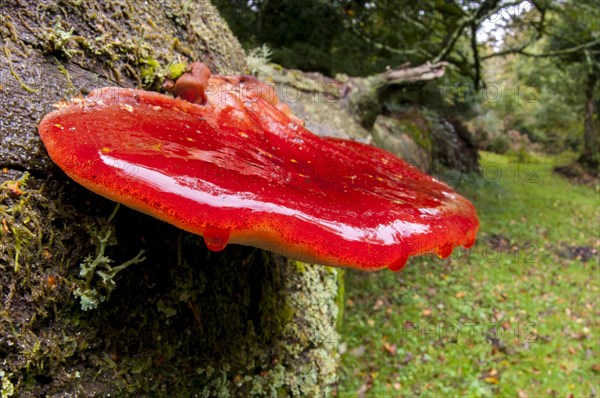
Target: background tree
x=559, y=63
x=365, y=37
x=575, y=39
x=360, y=37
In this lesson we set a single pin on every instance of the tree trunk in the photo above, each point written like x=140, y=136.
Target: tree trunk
x=182, y=322
x=590, y=155
x=362, y=94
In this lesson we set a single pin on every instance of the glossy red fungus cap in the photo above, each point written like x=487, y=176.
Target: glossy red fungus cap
x=237, y=167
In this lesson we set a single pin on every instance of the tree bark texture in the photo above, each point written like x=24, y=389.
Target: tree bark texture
x=182, y=322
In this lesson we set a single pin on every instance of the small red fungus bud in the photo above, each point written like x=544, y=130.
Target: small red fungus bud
x=231, y=163
x=51, y=281
x=191, y=86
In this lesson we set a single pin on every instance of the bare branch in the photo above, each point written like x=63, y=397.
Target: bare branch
x=427, y=71
x=453, y=38
x=385, y=47
x=521, y=51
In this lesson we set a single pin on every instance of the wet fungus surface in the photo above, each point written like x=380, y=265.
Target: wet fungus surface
x=229, y=162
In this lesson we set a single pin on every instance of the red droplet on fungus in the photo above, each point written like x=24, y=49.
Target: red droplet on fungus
x=231, y=163
x=444, y=251
x=399, y=264
x=215, y=238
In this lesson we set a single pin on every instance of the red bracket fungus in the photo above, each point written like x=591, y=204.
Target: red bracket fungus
x=229, y=162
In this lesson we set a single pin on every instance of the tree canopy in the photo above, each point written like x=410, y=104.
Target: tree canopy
x=550, y=48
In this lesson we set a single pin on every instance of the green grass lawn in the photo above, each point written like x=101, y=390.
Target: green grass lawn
x=516, y=316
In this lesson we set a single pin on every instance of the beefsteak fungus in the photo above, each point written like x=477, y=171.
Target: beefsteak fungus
x=229, y=162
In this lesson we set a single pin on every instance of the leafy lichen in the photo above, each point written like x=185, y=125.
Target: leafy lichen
x=97, y=272
x=7, y=387
x=258, y=59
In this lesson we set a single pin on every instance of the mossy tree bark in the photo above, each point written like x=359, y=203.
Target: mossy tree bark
x=183, y=321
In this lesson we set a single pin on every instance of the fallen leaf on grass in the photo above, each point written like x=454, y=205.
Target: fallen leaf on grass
x=358, y=351
x=578, y=336
x=390, y=348
x=426, y=312
x=362, y=390
x=491, y=380
x=378, y=305
x=365, y=387
x=568, y=367
x=408, y=325
x=407, y=358
x=460, y=294
x=522, y=394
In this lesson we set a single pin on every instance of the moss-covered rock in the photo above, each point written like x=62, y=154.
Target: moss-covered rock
x=355, y=108
x=314, y=98
x=406, y=140
x=424, y=138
